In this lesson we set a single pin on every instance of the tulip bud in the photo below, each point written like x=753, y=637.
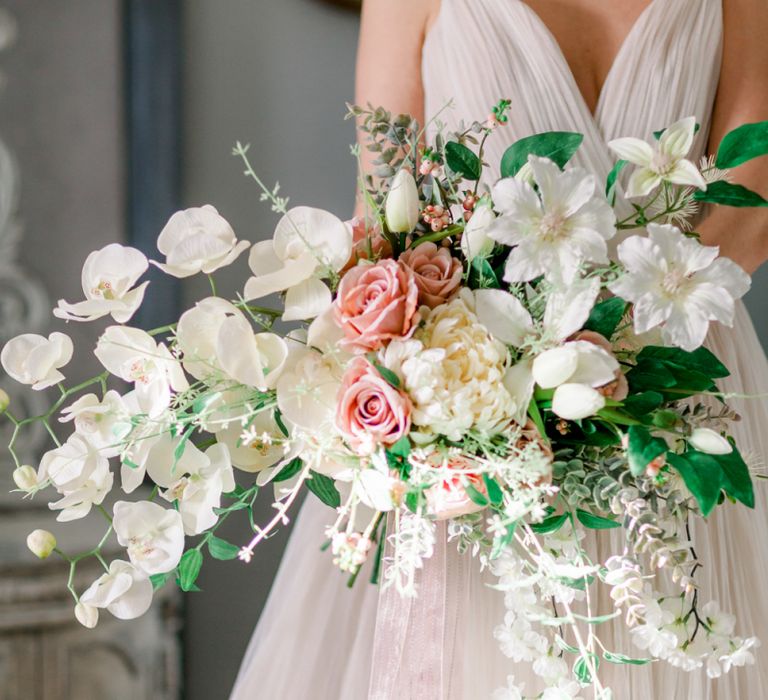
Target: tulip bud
x=707, y=440
x=87, y=615
x=41, y=543
x=475, y=241
x=553, y=367
x=5, y=401
x=576, y=401
x=402, y=205
x=25, y=477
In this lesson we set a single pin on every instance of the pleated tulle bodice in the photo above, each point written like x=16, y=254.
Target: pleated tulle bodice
x=479, y=51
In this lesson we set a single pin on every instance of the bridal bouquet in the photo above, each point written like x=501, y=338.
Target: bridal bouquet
x=524, y=361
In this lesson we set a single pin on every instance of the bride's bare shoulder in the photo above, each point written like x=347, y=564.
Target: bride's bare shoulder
x=400, y=17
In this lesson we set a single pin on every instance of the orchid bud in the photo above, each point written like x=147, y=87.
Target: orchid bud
x=87, y=615
x=25, y=477
x=41, y=543
x=402, y=205
x=5, y=401
x=475, y=241
x=553, y=367
x=576, y=401
x=707, y=440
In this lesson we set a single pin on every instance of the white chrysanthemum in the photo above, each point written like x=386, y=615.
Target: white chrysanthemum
x=455, y=378
x=554, y=229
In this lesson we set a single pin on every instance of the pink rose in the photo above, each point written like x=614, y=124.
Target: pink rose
x=376, y=304
x=617, y=389
x=437, y=272
x=448, y=498
x=370, y=411
x=367, y=243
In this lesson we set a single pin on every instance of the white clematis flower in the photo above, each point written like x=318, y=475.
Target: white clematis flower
x=124, y=590
x=80, y=473
x=36, y=360
x=133, y=355
x=678, y=284
x=555, y=230
x=103, y=422
x=665, y=162
x=307, y=244
x=197, y=240
x=153, y=535
x=108, y=277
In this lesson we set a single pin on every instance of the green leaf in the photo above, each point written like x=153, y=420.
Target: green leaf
x=737, y=481
x=643, y=448
x=476, y=496
x=621, y=659
x=495, y=494
x=551, y=524
x=278, y=416
x=221, y=549
x=387, y=374
x=376, y=569
x=650, y=375
x=500, y=542
x=159, y=580
x=731, y=195
x=481, y=275
x=595, y=522
x=606, y=316
x=744, y=143
x=558, y=146
x=700, y=360
x=189, y=568
x=665, y=419
x=581, y=668
x=239, y=505
x=641, y=404
x=702, y=475
x=413, y=500
x=613, y=415
x=610, y=183
x=324, y=488
x=402, y=448
x=461, y=160
x=565, y=646
x=289, y=470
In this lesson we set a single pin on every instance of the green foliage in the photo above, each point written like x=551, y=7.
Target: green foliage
x=324, y=488
x=159, y=580
x=289, y=470
x=742, y=144
x=581, y=668
x=643, y=403
x=558, y=146
x=388, y=375
x=731, y=195
x=476, y=496
x=595, y=522
x=675, y=373
x=461, y=160
x=495, y=494
x=189, y=569
x=482, y=275
x=551, y=524
x=221, y=549
x=621, y=659
x=643, y=448
x=606, y=316
x=611, y=181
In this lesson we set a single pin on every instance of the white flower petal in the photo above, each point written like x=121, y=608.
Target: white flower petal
x=633, y=150
x=503, y=315
x=677, y=139
x=306, y=300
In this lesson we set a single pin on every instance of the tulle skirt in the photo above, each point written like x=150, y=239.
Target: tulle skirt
x=317, y=638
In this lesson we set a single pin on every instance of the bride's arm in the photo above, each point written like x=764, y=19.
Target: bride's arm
x=389, y=57
x=742, y=97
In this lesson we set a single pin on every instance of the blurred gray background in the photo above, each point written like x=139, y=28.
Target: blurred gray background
x=275, y=73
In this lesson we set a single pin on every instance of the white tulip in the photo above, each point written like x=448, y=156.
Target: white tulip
x=402, y=203
x=36, y=360
x=555, y=366
x=25, y=477
x=80, y=473
x=104, y=423
x=153, y=535
x=41, y=543
x=87, y=615
x=307, y=244
x=197, y=240
x=576, y=401
x=475, y=241
x=133, y=355
x=108, y=277
x=707, y=440
x=124, y=590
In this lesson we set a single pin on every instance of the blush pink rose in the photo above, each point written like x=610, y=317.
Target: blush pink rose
x=448, y=498
x=376, y=304
x=370, y=411
x=437, y=272
x=618, y=389
x=367, y=243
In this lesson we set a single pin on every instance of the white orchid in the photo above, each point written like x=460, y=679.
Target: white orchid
x=153, y=535
x=124, y=590
x=555, y=230
x=256, y=448
x=197, y=240
x=307, y=244
x=80, y=473
x=103, y=422
x=36, y=360
x=197, y=334
x=665, y=162
x=108, y=277
x=133, y=355
x=678, y=284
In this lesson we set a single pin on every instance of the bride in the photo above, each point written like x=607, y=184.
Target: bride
x=606, y=69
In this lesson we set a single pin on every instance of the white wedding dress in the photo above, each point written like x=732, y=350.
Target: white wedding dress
x=319, y=640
